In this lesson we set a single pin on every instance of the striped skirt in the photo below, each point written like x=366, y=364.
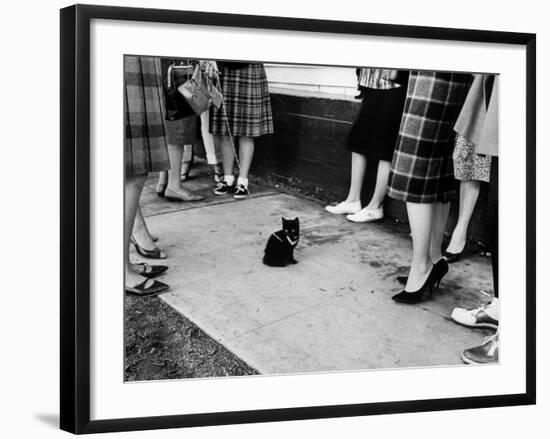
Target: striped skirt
x=144, y=138
x=422, y=166
x=246, y=102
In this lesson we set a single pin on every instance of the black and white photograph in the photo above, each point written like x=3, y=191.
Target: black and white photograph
x=275, y=220
x=297, y=218
x=283, y=218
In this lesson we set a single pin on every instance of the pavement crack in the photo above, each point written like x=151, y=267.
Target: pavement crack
x=274, y=322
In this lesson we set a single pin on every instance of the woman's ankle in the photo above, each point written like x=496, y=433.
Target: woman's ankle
x=352, y=200
x=373, y=205
x=132, y=278
x=458, y=240
x=421, y=268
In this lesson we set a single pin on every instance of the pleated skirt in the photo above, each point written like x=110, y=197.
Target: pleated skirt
x=246, y=102
x=422, y=166
x=144, y=137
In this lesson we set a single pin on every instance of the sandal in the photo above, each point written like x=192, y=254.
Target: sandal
x=151, y=271
x=154, y=289
x=156, y=253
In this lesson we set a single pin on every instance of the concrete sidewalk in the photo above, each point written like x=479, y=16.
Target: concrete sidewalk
x=332, y=311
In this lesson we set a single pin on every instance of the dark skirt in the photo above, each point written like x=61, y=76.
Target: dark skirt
x=422, y=167
x=374, y=132
x=182, y=131
x=246, y=102
x=144, y=138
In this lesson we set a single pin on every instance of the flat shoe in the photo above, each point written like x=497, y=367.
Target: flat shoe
x=344, y=208
x=171, y=195
x=366, y=216
x=141, y=290
x=151, y=271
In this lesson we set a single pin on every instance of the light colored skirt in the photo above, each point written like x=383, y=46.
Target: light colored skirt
x=468, y=165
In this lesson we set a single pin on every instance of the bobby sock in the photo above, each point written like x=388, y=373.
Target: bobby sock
x=243, y=181
x=229, y=179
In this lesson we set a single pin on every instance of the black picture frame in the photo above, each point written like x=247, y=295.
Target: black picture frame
x=75, y=217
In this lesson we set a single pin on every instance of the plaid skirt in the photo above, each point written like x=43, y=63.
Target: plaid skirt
x=144, y=138
x=422, y=167
x=246, y=101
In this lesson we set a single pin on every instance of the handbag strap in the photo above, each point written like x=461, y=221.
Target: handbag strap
x=170, y=75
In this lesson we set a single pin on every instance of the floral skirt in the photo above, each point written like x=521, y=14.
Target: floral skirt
x=467, y=164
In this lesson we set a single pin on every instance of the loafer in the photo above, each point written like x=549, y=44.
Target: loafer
x=151, y=271
x=147, y=288
x=171, y=195
x=366, y=215
x=344, y=208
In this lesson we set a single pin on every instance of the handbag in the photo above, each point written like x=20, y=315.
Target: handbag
x=200, y=92
x=175, y=104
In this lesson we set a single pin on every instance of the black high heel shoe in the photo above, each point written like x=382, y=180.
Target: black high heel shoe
x=454, y=257
x=438, y=271
x=441, y=268
x=417, y=296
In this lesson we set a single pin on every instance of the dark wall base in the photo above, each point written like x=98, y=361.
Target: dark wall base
x=307, y=152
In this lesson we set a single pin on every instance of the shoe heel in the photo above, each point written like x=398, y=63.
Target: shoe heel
x=160, y=190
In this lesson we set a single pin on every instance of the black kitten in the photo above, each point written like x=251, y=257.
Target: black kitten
x=279, y=251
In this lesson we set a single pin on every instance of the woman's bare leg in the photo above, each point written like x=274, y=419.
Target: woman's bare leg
x=132, y=191
x=358, y=169
x=141, y=232
x=246, y=154
x=381, y=186
x=174, y=189
x=421, y=223
x=469, y=192
x=228, y=154
x=439, y=223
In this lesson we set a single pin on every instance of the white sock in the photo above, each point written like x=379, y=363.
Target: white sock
x=229, y=179
x=493, y=309
x=243, y=181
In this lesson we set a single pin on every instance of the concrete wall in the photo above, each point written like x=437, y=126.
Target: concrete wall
x=307, y=153
x=340, y=81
